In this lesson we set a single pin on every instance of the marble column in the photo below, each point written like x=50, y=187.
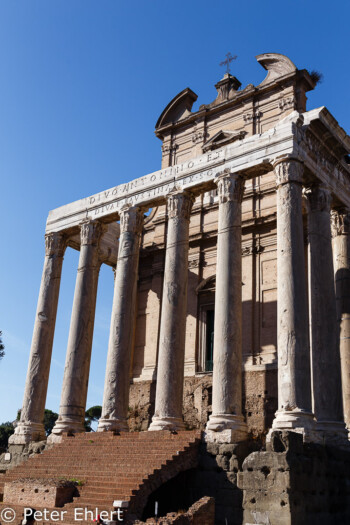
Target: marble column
x=324, y=338
x=30, y=427
x=117, y=382
x=77, y=368
x=341, y=255
x=170, y=374
x=226, y=424
x=294, y=376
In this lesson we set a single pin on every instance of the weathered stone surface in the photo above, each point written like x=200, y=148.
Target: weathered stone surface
x=328, y=409
x=117, y=383
x=77, y=368
x=39, y=492
x=294, y=379
x=227, y=372
x=169, y=390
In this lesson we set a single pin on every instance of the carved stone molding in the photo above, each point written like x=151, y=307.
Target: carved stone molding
x=254, y=115
x=169, y=147
x=288, y=170
x=340, y=222
x=55, y=244
x=230, y=186
x=131, y=219
x=287, y=103
x=252, y=250
x=180, y=205
x=90, y=232
x=318, y=198
x=198, y=135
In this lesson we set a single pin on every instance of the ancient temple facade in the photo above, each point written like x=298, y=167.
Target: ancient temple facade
x=231, y=308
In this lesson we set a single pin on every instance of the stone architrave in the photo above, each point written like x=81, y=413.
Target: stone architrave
x=117, y=382
x=170, y=375
x=341, y=255
x=294, y=377
x=31, y=427
x=325, y=357
x=77, y=368
x=226, y=422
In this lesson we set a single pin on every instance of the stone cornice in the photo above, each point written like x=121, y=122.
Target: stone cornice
x=250, y=156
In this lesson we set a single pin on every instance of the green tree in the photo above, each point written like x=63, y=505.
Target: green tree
x=6, y=430
x=2, y=346
x=92, y=415
x=49, y=420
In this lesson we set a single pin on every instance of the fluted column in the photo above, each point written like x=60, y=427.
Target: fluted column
x=341, y=254
x=294, y=379
x=170, y=375
x=325, y=359
x=117, y=382
x=226, y=422
x=30, y=427
x=77, y=368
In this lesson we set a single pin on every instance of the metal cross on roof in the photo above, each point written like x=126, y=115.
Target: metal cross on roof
x=226, y=62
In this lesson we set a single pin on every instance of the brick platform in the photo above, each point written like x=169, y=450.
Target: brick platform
x=127, y=467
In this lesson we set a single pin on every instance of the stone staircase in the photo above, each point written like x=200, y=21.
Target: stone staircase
x=108, y=467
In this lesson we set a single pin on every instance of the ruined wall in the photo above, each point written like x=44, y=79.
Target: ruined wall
x=259, y=401
x=292, y=483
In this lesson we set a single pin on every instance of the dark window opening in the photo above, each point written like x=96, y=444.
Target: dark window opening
x=209, y=346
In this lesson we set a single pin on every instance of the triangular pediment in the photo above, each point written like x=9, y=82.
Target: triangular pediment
x=223, y=137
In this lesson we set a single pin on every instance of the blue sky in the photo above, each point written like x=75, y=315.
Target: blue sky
x=82, y=85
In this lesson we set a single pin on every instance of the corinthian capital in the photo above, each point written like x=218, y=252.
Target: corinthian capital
x=55, y=243
x=180, y=204
x=318, y=198
x=288, y=170
x=131, y=219
x=230, y=186
x=340, y=222
x=90, y=232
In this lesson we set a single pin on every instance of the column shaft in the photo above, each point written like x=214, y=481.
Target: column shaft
x=30, y=427
x=170, y=375
x=77, y=368
x=323, y=318
x=226, y=420
x=117, y=382
x=341, y=252
x=294, y=379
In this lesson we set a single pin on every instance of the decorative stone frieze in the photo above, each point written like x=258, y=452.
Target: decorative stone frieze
x=230, y=187
x=55, y=244
x=340, y=222
x=318, y=198
x=90, y=232
x=180, y=205
x=288, y=170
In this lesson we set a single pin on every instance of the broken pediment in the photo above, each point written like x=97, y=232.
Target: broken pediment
x=221, y=138
x=178, y=108
x=276, y=65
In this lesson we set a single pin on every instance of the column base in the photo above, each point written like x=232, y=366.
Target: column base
x=298, y=421
x=166, y=423
x=226, y=428
x=112, y=425
x=333, y=432
x=65, y=426
x=26, y=432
